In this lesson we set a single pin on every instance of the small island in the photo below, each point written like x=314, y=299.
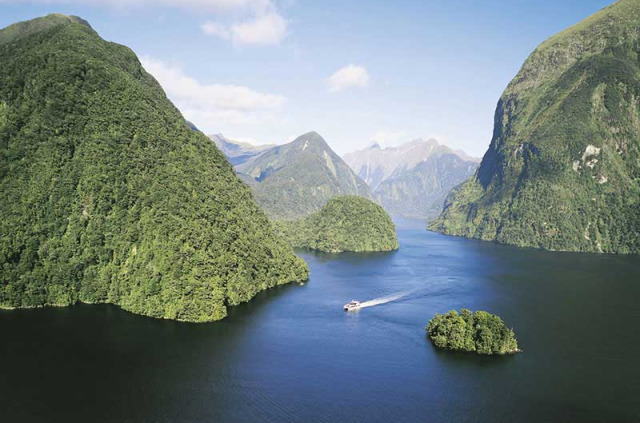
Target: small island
x=479, y=332
x=345, y=223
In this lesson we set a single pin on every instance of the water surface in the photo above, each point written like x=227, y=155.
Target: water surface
x=293, y=355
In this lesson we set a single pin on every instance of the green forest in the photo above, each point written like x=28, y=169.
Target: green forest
x=293, y=180
x=563, y=168
x=346, y=223
x=107, y=195
x=479, y=332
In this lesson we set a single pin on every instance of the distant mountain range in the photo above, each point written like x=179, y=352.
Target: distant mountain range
x=236, y=151
x=413, y=179
x=293, y=180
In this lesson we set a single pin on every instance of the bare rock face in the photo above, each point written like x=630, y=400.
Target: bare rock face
x=413, y=179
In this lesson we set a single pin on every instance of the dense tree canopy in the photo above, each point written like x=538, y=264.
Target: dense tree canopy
x=293, y=180
x=563, y=169
x=479, y=332
x=107, y=195
x=347, y=223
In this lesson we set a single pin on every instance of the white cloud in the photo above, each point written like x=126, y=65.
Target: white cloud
x=267, y=29
x=245, y=22
x=213, y=28
x=350, y=76
x=263, y=30
x=215, y=104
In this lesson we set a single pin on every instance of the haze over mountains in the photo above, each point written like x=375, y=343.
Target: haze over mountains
x=413, y=179
x=376, y=164
x=563, y=168
x=296, y=179
x=238, y=152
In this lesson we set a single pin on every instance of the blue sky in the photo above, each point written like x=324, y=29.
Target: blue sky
x=361, y=71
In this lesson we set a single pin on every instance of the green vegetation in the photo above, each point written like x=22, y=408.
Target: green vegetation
x=296, y=179
x=420, y=192
x=479, y=332
x=107, y=195
x=348, y=223
x=238, y=152
x=413, y=179
x=563, y=169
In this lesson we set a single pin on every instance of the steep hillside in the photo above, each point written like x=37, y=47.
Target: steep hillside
x=298, y=178
x=348, y=223
x=413, y=179
x=238, y=152
x=106, y=194
x=376, y=164
x=420, y=191
x=563, y=168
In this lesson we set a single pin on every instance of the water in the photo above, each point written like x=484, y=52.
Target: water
x=383, y=300
x=293, y=355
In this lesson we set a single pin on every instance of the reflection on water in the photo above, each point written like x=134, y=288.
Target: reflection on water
x=293, y=354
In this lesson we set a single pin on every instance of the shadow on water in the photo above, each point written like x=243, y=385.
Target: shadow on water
x=461, y=359
x=261, y=300
x=347, y=257
x=293, y=354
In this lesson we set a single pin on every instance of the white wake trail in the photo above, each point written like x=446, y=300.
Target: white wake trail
x=383, y=300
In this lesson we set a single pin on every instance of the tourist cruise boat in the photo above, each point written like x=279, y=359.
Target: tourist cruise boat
x=353, y=305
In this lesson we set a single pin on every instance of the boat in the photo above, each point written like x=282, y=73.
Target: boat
x=352, y=305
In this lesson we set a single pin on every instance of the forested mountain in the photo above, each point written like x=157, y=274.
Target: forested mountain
x=420, y=191
x=192, y=126
x=376, y=164
x=237, y=152
x=107, y=195
x=346, y=223
x=295, y=179
x=563, y=168
x=413, y=179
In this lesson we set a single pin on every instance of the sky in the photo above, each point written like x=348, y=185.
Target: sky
x=357, y=72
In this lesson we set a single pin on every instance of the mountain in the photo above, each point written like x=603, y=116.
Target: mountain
x=413, y=179
x=420, y=192
x=192, y=126
x=376, y=164
x=563, y=168
x=107, y=195
x=237, y=152
x=296, y=179
x=346, y=223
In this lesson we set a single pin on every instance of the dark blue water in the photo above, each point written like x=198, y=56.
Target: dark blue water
x=293, y=355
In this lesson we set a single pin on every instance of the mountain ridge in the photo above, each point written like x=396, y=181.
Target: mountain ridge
x=298, y=178
x=412, y=179
x=375, y=164
x=562, y=171
x=420, y=192
x=18, y=30
x=238, y=152
x=108, y=196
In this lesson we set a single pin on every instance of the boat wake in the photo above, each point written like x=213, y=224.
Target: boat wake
x=383, y=300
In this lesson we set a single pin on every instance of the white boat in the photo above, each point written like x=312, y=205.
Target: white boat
x=352, y=305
